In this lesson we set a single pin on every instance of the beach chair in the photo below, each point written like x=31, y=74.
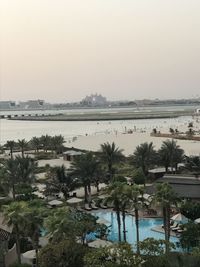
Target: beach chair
x=174, y=225
x=87, y=207
x=103, y=206
x=93, y=206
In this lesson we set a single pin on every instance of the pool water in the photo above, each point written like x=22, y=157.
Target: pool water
x=145, y=226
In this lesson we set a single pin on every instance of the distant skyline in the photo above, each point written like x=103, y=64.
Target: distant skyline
x=61, y=51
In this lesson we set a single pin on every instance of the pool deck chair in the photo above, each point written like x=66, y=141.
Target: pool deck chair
x=87, y=207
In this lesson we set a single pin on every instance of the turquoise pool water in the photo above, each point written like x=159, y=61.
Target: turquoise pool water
x=145, y=227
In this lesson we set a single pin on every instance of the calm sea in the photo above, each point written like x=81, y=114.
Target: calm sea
x=14, y=130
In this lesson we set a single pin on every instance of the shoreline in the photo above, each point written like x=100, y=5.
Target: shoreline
x=105, y=117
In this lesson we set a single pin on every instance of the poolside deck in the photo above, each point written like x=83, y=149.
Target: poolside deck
x=159, y=229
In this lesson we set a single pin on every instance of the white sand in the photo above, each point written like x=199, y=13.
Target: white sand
x=128, y=142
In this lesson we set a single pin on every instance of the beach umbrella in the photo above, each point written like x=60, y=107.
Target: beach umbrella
x=103, y=221
x=55, y=202
x=74, y=200
x=30, y=254
x=197, y=220
x=179, y=218
x=98, y=243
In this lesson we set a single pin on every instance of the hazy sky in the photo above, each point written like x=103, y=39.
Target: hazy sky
x=61, y=50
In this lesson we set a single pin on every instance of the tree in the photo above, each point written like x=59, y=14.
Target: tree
x=26, y=168
x=135, y=193
x=45, y=141
x=23, y=144
x=15, y=216
x=34, y=218
x=64, y=224
x=117, y=255
x=20, y=170
x=165, y=196
x=110, y=155
x=66, y=253
x=190, y=237
x=170, y=154
x=10, y=145
x=36, y=143
x=115, y=191
x=85, y=168
x=59, y=181
x=57, y=142
x=144, y=156
x=139, y=177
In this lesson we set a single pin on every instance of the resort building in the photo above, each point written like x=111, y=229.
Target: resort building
x=94, y=100
x=185, y=186
x=71, y=154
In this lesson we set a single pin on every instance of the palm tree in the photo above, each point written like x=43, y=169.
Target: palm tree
x=165, y=196
x=19, y=170
x=34, y=222
x=15, y=216
x=26, y=169
x=11, y=175
x=23, y=144
x=135, y=193
x=59, y=181
x=115, y=192
x=45, y=141
x=57, y=142
x=35, y=143
x=171, y=154
x=144, y=156
x=84, y=168
x=10, y=145
x=110, y=154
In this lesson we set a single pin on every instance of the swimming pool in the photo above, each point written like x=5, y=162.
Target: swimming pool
x=145, y=226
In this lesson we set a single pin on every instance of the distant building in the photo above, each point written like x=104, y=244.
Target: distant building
x=6, y=105
x=94, y=100
x=32, y=104
x=184, y=186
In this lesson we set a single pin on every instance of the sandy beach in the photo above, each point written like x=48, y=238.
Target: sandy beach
x=128, y=142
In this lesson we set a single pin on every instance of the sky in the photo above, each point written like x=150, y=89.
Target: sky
x=63, y=50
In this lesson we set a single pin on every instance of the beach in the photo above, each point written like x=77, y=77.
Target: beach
x=128, y=142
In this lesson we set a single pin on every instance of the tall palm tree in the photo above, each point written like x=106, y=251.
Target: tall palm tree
x=57, y=142
x=10, y=145
x=135, y=193
x=11, y=175
x=15, y=216
x=19, y=170
x=171, y=154
x=110, y=154
x=35, y=143
x=84, y=168
x=23, y=144
x=165, y=196
x=45, y=141
x=115, y=192
x=26, y=169
x=144, y=156
x=59, y=181
x=34, y=222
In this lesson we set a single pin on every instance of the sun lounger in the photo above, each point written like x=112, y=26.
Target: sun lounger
x=87, y=207
x=93, y=206
x=174, y=225
x=103, y=206
x=176, y=228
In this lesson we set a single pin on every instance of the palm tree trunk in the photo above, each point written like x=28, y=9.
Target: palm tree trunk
x=166, y=229
x=137, y=230
x=18, y=244
x=86, y=193
x=124, y=223
x=11, y=153
x=119, y=224
x=13, y=191
x=89, y=194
